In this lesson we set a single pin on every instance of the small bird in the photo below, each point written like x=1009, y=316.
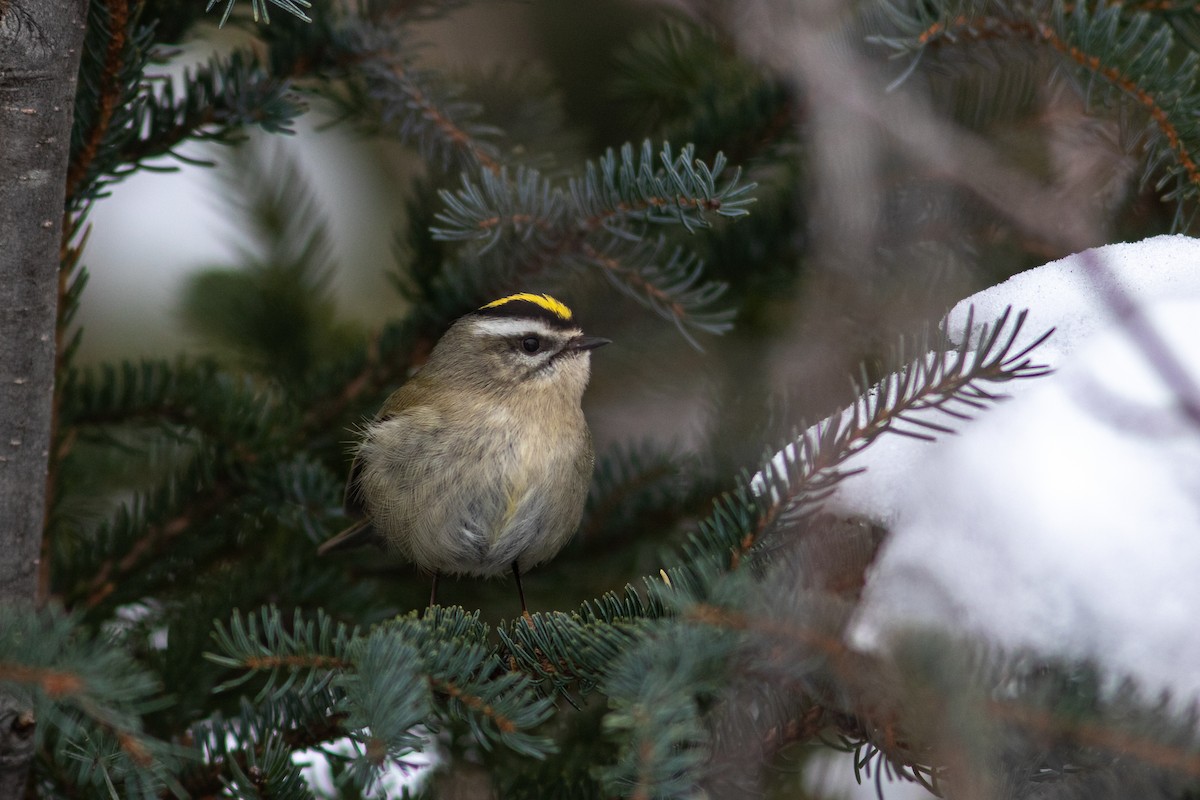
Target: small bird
x=481, y=462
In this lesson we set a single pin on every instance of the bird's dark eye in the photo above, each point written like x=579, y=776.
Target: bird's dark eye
x=531, y=344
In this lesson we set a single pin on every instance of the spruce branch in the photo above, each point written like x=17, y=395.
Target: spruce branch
x=300, y=656
x=416, y=104
x=766, y=627
x=1131, y=51
x=195, y=396
x=689, y=85
x=115, y=51
x=1050, y=714
x=137, y=534
x=218, y=99
x=877, y=764
x=600, y=222
x=922, y=399
x=631, y=483
x=784, y=692
x=674, y=287
x=384, y=87
x=272, y=312
x=665, y=70
x=627, y=605
x=105, y=763
x=123, y=118
x=387, y=697
x=782, y=673
x=191, y=521
x=72, y=278
x=384, y=362
x=391, y=678
x=237, y=745
x=89, y=697
x=369, y=687
x=682, y=190
x=655, y=694
x=611, y=195
x=498, y=706
x=500, y=208
x=126, y=120
x=1157, y=751
x=266, y=770
x=566, y=650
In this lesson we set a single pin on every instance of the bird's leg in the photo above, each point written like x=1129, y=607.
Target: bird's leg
x=433, y=590
x=520, y=590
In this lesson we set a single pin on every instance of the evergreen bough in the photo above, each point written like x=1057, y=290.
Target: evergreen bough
x=722, y=660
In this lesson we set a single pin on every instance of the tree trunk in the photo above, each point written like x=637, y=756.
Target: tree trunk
x=40, y=44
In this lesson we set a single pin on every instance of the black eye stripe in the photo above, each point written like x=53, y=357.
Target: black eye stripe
x=531, y=344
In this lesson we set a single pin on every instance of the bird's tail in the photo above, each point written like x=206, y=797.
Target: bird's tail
x=360, y=533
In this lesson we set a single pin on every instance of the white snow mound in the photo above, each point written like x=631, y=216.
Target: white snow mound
x=1066, y=519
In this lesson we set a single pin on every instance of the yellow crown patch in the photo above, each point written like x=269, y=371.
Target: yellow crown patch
x=544, y=301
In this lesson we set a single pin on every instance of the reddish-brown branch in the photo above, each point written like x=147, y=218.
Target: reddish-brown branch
x=375, y=375
x=55, y=683
x=632, y=277
x=979, y=28
x=516, y=220
x=889, y=734
x=111, y=570
x=802, y=728
x=206, y=781
x=645, y=776
x=58, y=684
x=588, y=225
x=132, y=745
x=1131, y=88
x=1156, y=753
x=738, y=621
x=69, y=256
x=308, y=661
x=455, y=134
x=772, y=512
x=109, y=96
x=1139, y=5
x=163, y=142
x=474, y=702
x=597, y=221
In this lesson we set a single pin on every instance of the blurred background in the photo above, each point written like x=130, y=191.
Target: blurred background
x=891, y=183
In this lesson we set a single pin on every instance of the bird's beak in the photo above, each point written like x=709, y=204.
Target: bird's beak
x=587, y=342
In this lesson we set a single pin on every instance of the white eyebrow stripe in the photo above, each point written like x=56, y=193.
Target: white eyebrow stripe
x=514, y=327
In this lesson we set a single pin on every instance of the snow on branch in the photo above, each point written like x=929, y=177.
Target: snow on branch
x=922, y=399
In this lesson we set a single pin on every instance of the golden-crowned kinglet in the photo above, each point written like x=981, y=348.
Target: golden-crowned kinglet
x=481, y=461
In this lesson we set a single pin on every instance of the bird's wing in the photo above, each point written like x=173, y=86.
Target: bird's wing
x=352, y=502
x=362, y=531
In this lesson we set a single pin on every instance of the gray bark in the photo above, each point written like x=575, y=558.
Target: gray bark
x=16, y=744
x=40, y=44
